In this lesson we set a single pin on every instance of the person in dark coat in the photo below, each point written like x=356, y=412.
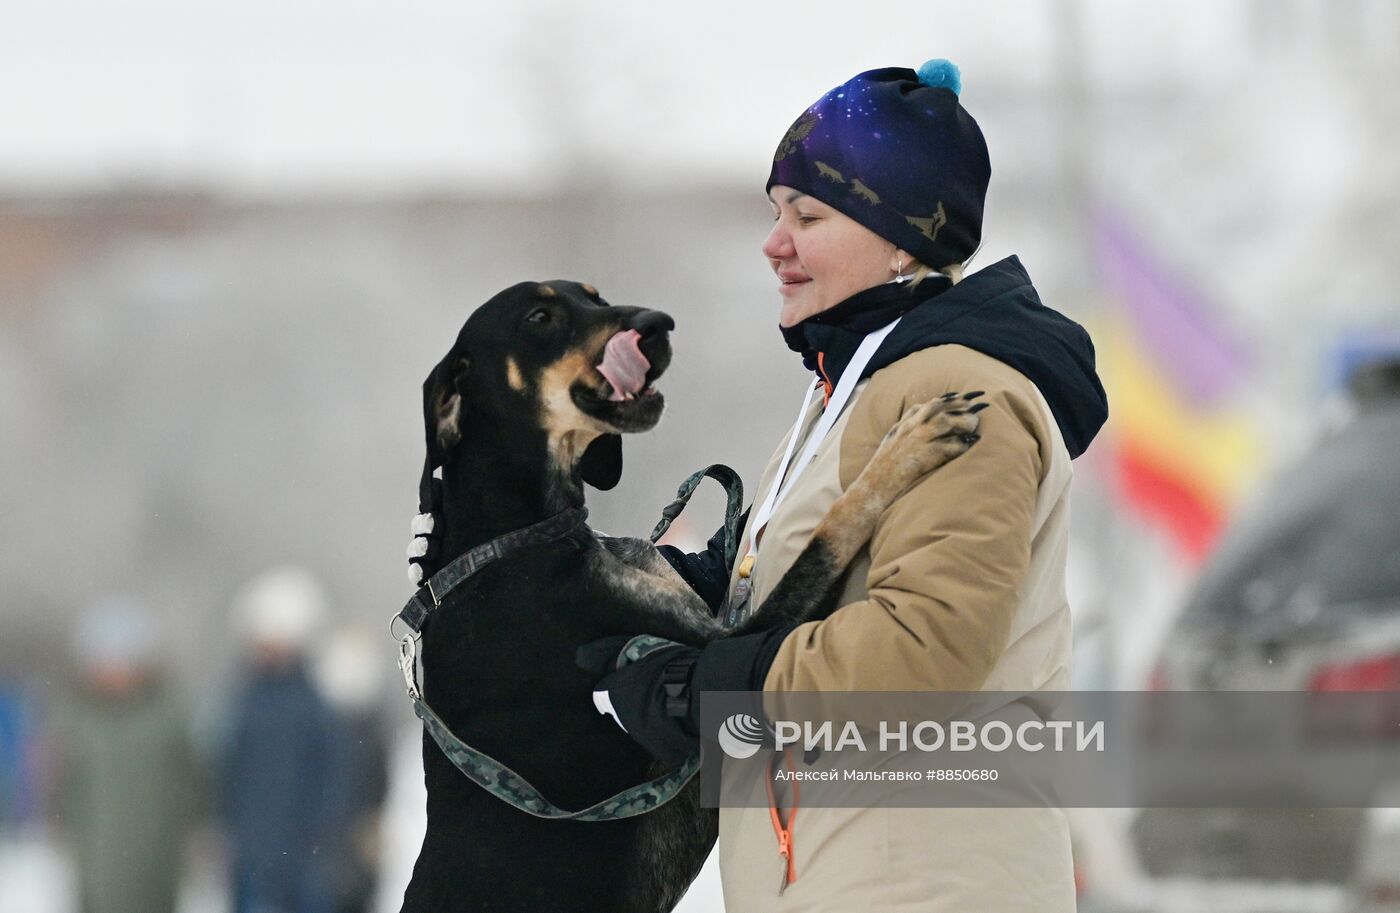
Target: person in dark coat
x=284, y=780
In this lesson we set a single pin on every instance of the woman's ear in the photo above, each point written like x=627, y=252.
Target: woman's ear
x=601, y=463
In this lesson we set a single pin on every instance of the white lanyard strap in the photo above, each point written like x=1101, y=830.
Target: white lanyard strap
x=839, y=397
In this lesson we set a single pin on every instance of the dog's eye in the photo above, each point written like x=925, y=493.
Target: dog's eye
x=538, y=315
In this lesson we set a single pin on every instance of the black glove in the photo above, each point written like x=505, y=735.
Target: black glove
x=649, y=698
x=656, y=699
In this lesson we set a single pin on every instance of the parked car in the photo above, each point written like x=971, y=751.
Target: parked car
x=1303, y=594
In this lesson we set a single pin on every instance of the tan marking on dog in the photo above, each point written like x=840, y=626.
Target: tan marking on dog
x=514, y=377
x=448, y=412
x=568, y=429
x=589, y=290
x=545, y=291
x=567, y=449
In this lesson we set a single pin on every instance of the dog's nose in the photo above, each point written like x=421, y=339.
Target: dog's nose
x=652, y=323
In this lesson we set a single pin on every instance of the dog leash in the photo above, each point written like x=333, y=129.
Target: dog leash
x=482, y=769
x=479, y=767
x=510, y=787
x=733, y=507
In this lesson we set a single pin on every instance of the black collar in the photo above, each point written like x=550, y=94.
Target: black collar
x=416, y=611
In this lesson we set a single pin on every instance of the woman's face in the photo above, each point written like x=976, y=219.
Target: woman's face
x=821, y=257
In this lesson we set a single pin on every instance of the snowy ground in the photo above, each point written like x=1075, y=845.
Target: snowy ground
x=35, y=877
x=704, y=895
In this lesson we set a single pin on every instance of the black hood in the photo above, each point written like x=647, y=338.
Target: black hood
x=995, y=311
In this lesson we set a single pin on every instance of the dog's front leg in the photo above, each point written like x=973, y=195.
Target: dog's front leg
x=923, y=440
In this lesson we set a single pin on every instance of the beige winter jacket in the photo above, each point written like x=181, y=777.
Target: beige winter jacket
x=961, y=589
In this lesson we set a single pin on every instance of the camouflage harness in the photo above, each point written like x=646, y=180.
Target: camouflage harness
x=484, y=770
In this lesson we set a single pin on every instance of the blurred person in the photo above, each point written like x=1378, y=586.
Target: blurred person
x=347, y=671
x=284, y=773
x=877, y=193
x=128, y=788
x=15, y=781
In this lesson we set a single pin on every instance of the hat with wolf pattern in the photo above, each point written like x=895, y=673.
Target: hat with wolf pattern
x=895, y=150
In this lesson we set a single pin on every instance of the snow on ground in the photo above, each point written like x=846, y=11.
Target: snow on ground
x=35, y=876
x=704, y=895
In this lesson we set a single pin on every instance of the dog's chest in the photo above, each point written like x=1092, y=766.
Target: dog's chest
x=633, y=572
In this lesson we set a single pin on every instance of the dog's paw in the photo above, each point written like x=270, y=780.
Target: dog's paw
x=930, y=435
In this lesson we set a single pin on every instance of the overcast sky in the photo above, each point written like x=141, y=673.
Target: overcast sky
x=264, y=96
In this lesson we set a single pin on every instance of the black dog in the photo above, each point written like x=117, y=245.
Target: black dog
x=525, y=408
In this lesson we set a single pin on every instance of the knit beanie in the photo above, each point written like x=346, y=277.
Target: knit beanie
x=894, y=150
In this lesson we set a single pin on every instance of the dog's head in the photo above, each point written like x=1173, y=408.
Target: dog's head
x=553, y=357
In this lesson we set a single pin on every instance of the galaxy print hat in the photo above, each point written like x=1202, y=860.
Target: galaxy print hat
x=894, y=150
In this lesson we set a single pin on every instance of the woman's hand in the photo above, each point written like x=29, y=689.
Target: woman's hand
x=650, y=698
x=656, y=699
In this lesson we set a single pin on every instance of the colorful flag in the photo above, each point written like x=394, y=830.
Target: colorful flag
x=1182, y=450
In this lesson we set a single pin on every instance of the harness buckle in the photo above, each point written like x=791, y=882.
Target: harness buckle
x=408, y=664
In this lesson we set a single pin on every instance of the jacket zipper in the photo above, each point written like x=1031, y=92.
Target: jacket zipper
x=783, y=831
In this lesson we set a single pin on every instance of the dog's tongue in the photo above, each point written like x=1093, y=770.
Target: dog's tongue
x=624, y=365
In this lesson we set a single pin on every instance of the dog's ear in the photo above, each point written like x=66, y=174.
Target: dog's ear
x=601, y=463
x=442, y=420
x=442, y=403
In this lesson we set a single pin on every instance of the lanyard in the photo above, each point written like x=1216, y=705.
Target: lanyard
x=783, y=483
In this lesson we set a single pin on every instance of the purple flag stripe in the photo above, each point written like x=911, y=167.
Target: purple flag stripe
x=1181, y=337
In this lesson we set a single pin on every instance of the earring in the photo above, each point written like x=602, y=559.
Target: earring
x=899, y=277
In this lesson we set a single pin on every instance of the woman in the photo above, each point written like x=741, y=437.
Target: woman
x=877, y=193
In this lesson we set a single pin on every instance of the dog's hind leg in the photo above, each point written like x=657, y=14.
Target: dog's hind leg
x=923, y=440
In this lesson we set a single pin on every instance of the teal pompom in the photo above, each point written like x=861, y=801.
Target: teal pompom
x=941, y=74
